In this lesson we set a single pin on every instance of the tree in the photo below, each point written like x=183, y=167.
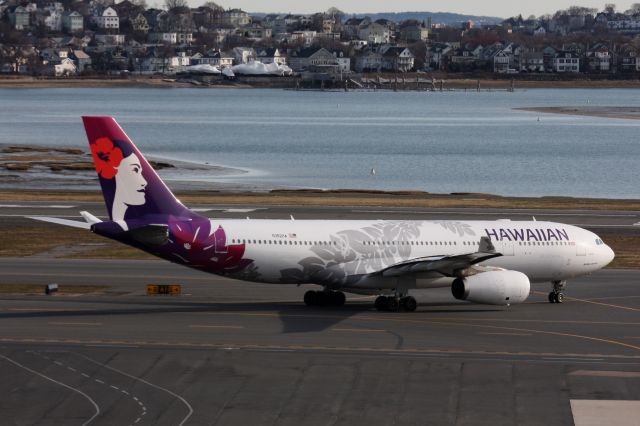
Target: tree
x=172, y=4
x=633, y=10
x=212, y=5
x=610, y=8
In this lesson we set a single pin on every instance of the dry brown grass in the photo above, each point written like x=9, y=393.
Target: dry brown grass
x=40, y=289
x=627, y=249
x=349, y=198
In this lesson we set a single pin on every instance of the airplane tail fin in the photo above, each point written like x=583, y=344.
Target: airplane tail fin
x=131, y=188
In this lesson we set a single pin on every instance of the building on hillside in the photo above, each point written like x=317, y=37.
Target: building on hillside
x=107, y=18
x=72, y=22
x=565, y=62
x=270, y=56
x=236, y=18
x=397, y=59
x=20, y=18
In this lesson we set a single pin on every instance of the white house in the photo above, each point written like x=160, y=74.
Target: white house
x=243, y=55
x=107, y=18
x=65, y=67
x=110, y=39
x=565, y=62
x=375, y=33
x=270, y=56
x=397, y=59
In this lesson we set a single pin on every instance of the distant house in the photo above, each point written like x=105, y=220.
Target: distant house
x=236, y=18
x=270, y=56
x=169, y=38
x=52, y=20
x=565, y=62
x=72, y=22
x=257, y=32
x=140, y=24
x=107, y=18
x=213, y=58
x=532, y=62
x=413, y=33
x=313, y=59
x=243, y=55
x=501, y=60
x=20, y=18
x=375, y=33
x=629, y=61
x=397, y=59
x=598, y=59
x=368, y=61
x=110, y=39
x=65, y=67
x=82, y=60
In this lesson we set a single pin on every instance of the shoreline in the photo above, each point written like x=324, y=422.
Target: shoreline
x=449, y=82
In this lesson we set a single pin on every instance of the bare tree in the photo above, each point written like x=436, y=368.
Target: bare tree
x=172, y=4
x=633, y=10
x=610, y=8
x=212, y=5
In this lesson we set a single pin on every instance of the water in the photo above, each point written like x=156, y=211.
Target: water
x=437, y=142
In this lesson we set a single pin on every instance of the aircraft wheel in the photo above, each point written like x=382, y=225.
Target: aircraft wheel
x=559, y=298
x=381, y=303
x=552, y=297
x=338, y=298
x=409, y=303
x=311, y=298
x=393, y=305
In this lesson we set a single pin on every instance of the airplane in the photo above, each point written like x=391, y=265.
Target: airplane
x=487, y=262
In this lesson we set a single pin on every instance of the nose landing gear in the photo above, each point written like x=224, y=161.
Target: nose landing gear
x=556, y=295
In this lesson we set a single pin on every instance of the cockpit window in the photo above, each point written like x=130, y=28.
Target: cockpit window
x=599, y=241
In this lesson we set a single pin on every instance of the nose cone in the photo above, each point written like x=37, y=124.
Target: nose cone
x=607, y=255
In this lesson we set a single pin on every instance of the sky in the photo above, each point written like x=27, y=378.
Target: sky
x=500, y=8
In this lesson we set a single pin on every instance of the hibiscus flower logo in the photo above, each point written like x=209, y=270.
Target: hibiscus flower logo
x=195, y=244
x=106, y=157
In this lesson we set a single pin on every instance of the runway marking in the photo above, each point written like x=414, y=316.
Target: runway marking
x=58, y=363
x=609, y=305
x=85, y=375
x=72, y=369
x=115, y=387
x=99, y=381
x=599, y=373
x=74, y=323
x=97, y=408
x=506, y=213
x=360, y=330
x=462, y=323
x=215, y=326
x=27, y=206
x=231, y=346
x=613, y=297
x=572, y=359
x=504, y=334
x=175, y=395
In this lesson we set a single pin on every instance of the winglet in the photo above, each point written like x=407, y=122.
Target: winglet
x=89, y=218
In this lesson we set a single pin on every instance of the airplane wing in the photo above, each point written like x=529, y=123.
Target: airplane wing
x=445, y=265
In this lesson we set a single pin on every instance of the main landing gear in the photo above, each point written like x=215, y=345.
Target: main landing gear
x=324, y=298
x=556, y=295
x=396, y=303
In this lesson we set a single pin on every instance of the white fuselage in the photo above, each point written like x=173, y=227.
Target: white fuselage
x=350, y=254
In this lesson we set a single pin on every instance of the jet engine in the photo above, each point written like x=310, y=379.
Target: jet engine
x=492, y=288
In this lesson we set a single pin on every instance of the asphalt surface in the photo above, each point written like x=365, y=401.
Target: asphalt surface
x=227, y=352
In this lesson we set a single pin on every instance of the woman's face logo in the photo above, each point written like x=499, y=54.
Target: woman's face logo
x=130, y=184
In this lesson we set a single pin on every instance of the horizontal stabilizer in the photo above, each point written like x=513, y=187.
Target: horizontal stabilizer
x=89, y=218
x=65, y=222
x=150, y=235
